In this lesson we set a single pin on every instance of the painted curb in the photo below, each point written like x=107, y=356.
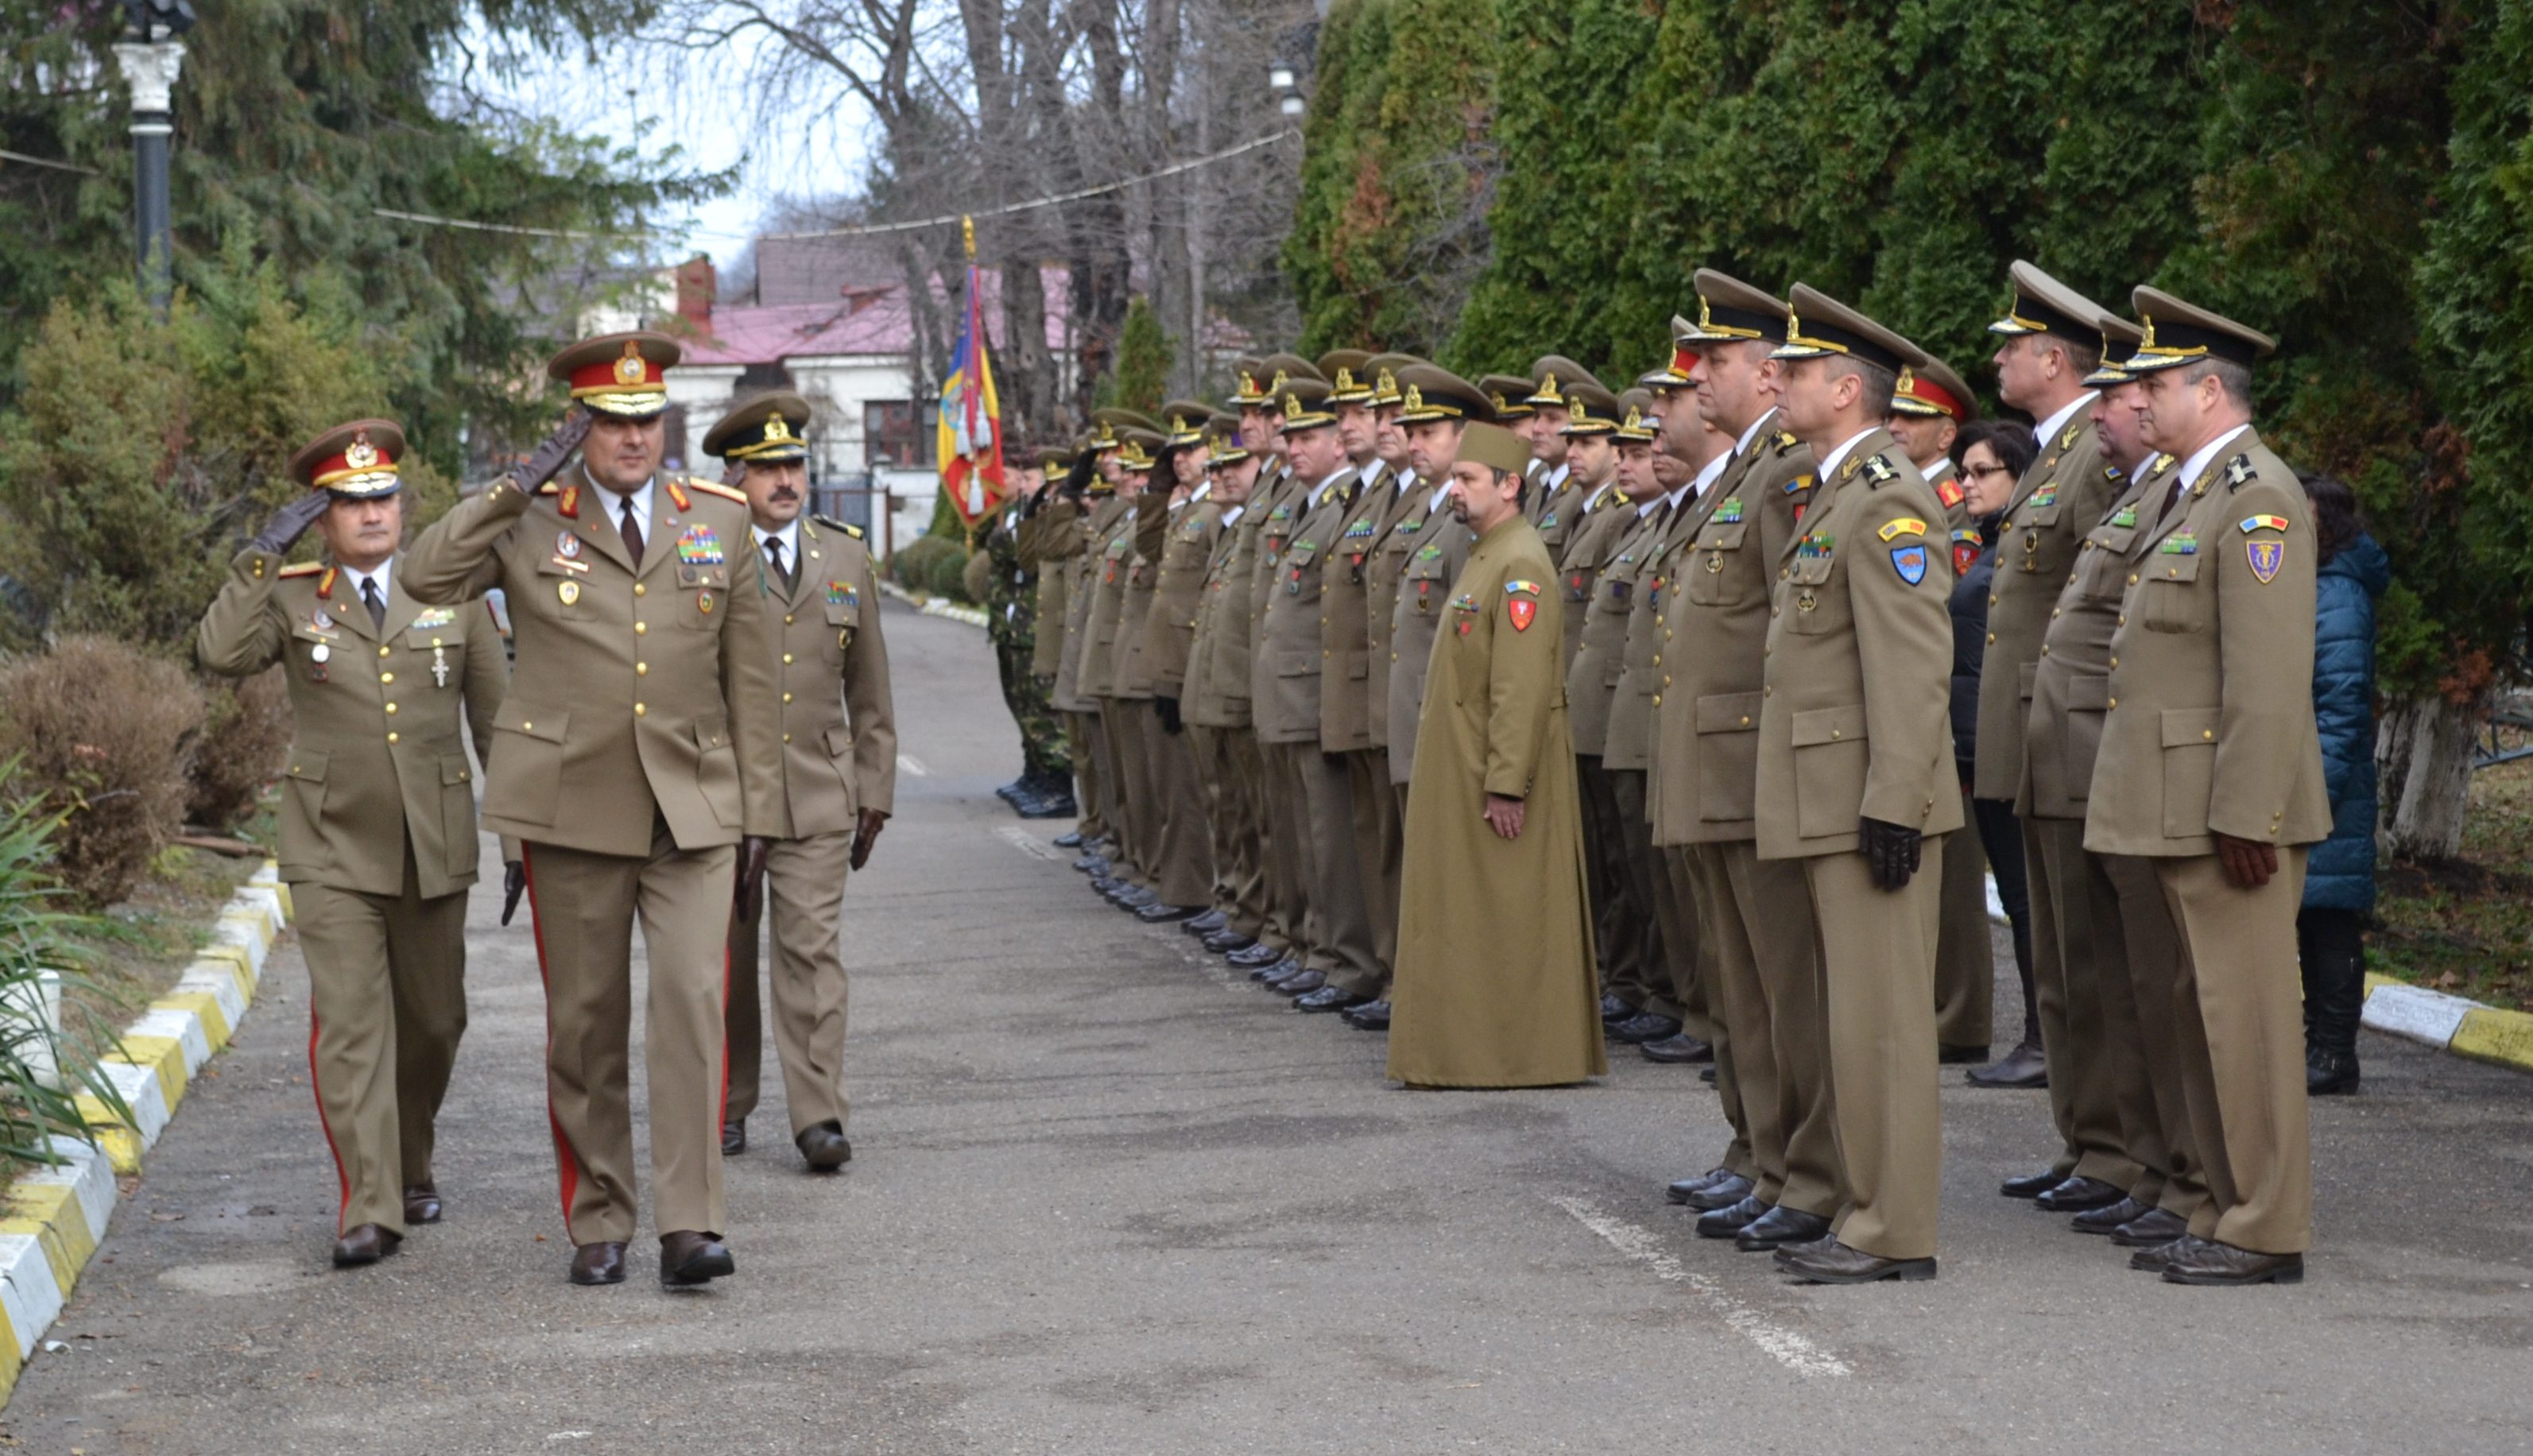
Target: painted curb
x=56, y=1218
x=974, y=616
x=2450, y=1023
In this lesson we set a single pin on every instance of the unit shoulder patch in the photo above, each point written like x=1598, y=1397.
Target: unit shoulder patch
x=1901, y=526
x=2250, y=524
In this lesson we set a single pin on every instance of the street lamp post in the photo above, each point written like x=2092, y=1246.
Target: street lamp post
x=149, y=62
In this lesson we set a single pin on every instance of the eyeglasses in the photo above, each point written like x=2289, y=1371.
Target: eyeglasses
x=1983, y=472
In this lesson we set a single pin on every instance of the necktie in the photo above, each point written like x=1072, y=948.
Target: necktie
x=774, y=552
x=632, y=531
x=378, y=607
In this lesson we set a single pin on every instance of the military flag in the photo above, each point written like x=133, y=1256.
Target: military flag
x=971, y=427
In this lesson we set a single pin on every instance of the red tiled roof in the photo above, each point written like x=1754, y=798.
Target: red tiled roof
x=868, y=320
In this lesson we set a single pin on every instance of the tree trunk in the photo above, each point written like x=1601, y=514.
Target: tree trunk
x=2423, y=754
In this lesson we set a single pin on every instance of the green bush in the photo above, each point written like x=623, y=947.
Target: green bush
x=918, y=564
x=41, y=1070
x=101, y=735
x=246, y=731
x=976, y=578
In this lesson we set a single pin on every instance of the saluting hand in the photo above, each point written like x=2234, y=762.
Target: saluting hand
x=549, y=457
x=288, y=524
x=1504, y=816
x=515, y=882
x=748, y=893
x=867, y=834
x=2249, y=863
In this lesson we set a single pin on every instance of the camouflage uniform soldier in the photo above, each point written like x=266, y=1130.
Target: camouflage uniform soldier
x=1044, y=788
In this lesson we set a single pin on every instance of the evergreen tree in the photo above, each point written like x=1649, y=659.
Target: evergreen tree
x=1143, y=358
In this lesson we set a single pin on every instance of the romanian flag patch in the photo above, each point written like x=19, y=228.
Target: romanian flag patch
x=2250, y=524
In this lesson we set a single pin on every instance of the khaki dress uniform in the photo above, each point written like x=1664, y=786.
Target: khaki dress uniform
x=2207, y=727
x=1623, y=923
x=1346, y=634
x=1050, y=544
x=1121, y=746
x=1149, y=771
x=1436, y=546
x=1188, y=849
x=839, y=758
x=378, y=844
x=1852, y=726
x=1215, y=704
x=640, y=742
x=1678, y=988
x=1274, y=519
x=1096, y=766
x=1496, y=985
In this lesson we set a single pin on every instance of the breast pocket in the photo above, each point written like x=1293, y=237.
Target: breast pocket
x=1811, y=602
x=2168, y=594
x=2189, y=769
x=703, y=596
x=842, y=619
x=527, y=762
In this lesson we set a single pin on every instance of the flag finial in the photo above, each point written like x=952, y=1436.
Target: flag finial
x=967, y=232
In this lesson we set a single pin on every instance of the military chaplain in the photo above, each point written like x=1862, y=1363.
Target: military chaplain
x=839, y=778
x=641, y=761
x=1496, y=985
x=377, y=824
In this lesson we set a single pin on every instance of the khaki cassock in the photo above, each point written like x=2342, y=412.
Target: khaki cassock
x=1753, y=915
x=1964, y=948
x=1625, y=926
x=640, y=742
x=1216, y=707
x=1620, y=928
x=1122, y=762
x=1679, y=984
x=378, y=844
x=2064, y=494
x=2114, y=900
x=1050, y=538
x=1159, y=666
x=1348, y=592
x=1087, y=533
x=839, y=758
x=1853, y=725
x=1496, y=985
x=2209, y=728
x=1286, y=683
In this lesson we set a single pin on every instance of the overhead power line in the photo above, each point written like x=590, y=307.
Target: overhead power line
x=45, y=161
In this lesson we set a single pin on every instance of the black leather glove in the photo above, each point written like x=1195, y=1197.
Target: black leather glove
x=554, y=452
x=866, y=828
x=515, y=882
x=1891, y=852
x=288, y=524
x=748, y=895
x=1168, y=709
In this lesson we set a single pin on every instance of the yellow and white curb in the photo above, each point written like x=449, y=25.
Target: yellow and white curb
x=56, y=1217
x=2452, y=1023
x=974, y=616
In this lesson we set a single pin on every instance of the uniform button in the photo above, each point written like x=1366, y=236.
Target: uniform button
x=1745, y=722
x=383, y=651
x=527, y=728
x=1835, y=735
x=1991, y=599
x=386, y=677
x=2124, y=618
x=641, y=669
x=1658, y=700
x=2114, y=702
x=786, y=697
x=786, y=737
x=787, y=658
x=1767, y=692
x=461, y=775
x=2115, y=662
x=787, y=619
x=1991, y=637
x=1776, y=611
x=2044, y=649
x=639, y=709
x=390, y=710
x=1666, y=679
x=392, y=737
x=2053, y=613
x=1394, y=657
x=641, y=629
x=637, y=589
x=2207, y=733
x=2132, y=578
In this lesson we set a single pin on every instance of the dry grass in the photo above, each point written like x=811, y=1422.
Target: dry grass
x=2467, y=927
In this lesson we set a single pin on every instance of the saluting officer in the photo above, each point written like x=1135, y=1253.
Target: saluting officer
x=2210, y=766
x=839, y=778
x=1856, y=777
x=377, y=826
x=640, y=759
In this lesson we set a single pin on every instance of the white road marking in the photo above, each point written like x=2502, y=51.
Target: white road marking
x=913, y=765
x=1794, y=1351
x=1028, y=843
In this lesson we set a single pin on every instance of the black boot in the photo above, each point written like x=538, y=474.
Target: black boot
x=2331, y=945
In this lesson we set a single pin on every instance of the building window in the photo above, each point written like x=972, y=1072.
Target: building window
x=899, y=432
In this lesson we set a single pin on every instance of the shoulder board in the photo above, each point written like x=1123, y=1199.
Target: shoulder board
x=2239, y=472
x=2161, y=464
x=678, y=493
x=1785, y=439
x=2067, y=439
x=715, y=488
x=304, y=568
x=832, y=524
x=1877, y=469
x=548, y=489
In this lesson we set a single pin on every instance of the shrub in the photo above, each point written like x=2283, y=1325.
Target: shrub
x=246, y=731
x=102, y=734
x=41, y=1070
x=976, y=578
x=914, y=565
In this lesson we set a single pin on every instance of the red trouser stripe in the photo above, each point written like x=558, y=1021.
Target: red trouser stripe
x=566, y=1162
x=342, y=1176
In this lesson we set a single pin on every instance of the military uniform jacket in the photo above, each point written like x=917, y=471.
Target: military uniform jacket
x=1152, y=517
x=629, y=679
x=1048, y=542
x=1411, y=524
x=1345, y=607
x=2067, y=491
x=1441, y=549
x=1112, y=567
x=1599, y=661
x=1073, y=692
x=1597, y=541
x=1629, y=740
x=1559, y=515
x=1285, y=680
x=1854, y=716
x=2071, y=683
x=1219, y=660
x=822, y=630
x=2208, y=725
x=376, y=755
x=1169, y=633
x=1715, y=634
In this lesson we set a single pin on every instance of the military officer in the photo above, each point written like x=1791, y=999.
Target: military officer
x=1854, y=778
x=1044, y=546
x=377, y=824
x=1186, y=523
x=1123, y=720
x=1496, y=981
x=839, y=778
x=1214, y=697
x=2210, y=766
x=1561, y=495
x=1078, y=544
x=639, y=756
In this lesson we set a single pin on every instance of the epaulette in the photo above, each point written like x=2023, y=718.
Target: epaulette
x=304, y=568
x=2161, y=464
x=1785, y=439
x=1878, y=470
x=677, y=493
x=832, y=524
x=716, y=488
x=548, y=489
x=2239, y=472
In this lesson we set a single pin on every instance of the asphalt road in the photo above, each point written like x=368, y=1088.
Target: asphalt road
x=1106, y=1199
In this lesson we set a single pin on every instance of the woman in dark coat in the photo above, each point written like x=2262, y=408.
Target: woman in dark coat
x=2340, y=877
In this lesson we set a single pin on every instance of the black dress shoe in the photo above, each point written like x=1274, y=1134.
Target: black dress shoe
x=1052, y=806
x=421, y=1204
x=1206, y=923
x=1010, y=792
x=2156, y=1226
x=1250, y=956
x=1644, y=1027
x=1093, y=863
x=1956, y=1056
x=1723, y=1193
x=1832, y=1262
x=1105, y=883
x=2154, y=1258
x=2329, y=1074
x=364, y=1244
x=1371, y=1015
x=2079, y=1195
x=2024, y=1066
x=1224, y=942
x=2206, y=1261
x=598, y=1264
x=1706, y=1075
x=687, y=1258
x=1615, y=1010
x=1134, y=898
x=1728, y=1221
x=1777, y=1227
x=1071, y=839
x=1677, y=1050
x=2032, y=1185
x=1283, y=967
x=1328, y=999
x=1679, y=1192
x=824, y=1146
x=734, y=1139
x=1300, y=985
x=2108, y=1218
x=1158, y=914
